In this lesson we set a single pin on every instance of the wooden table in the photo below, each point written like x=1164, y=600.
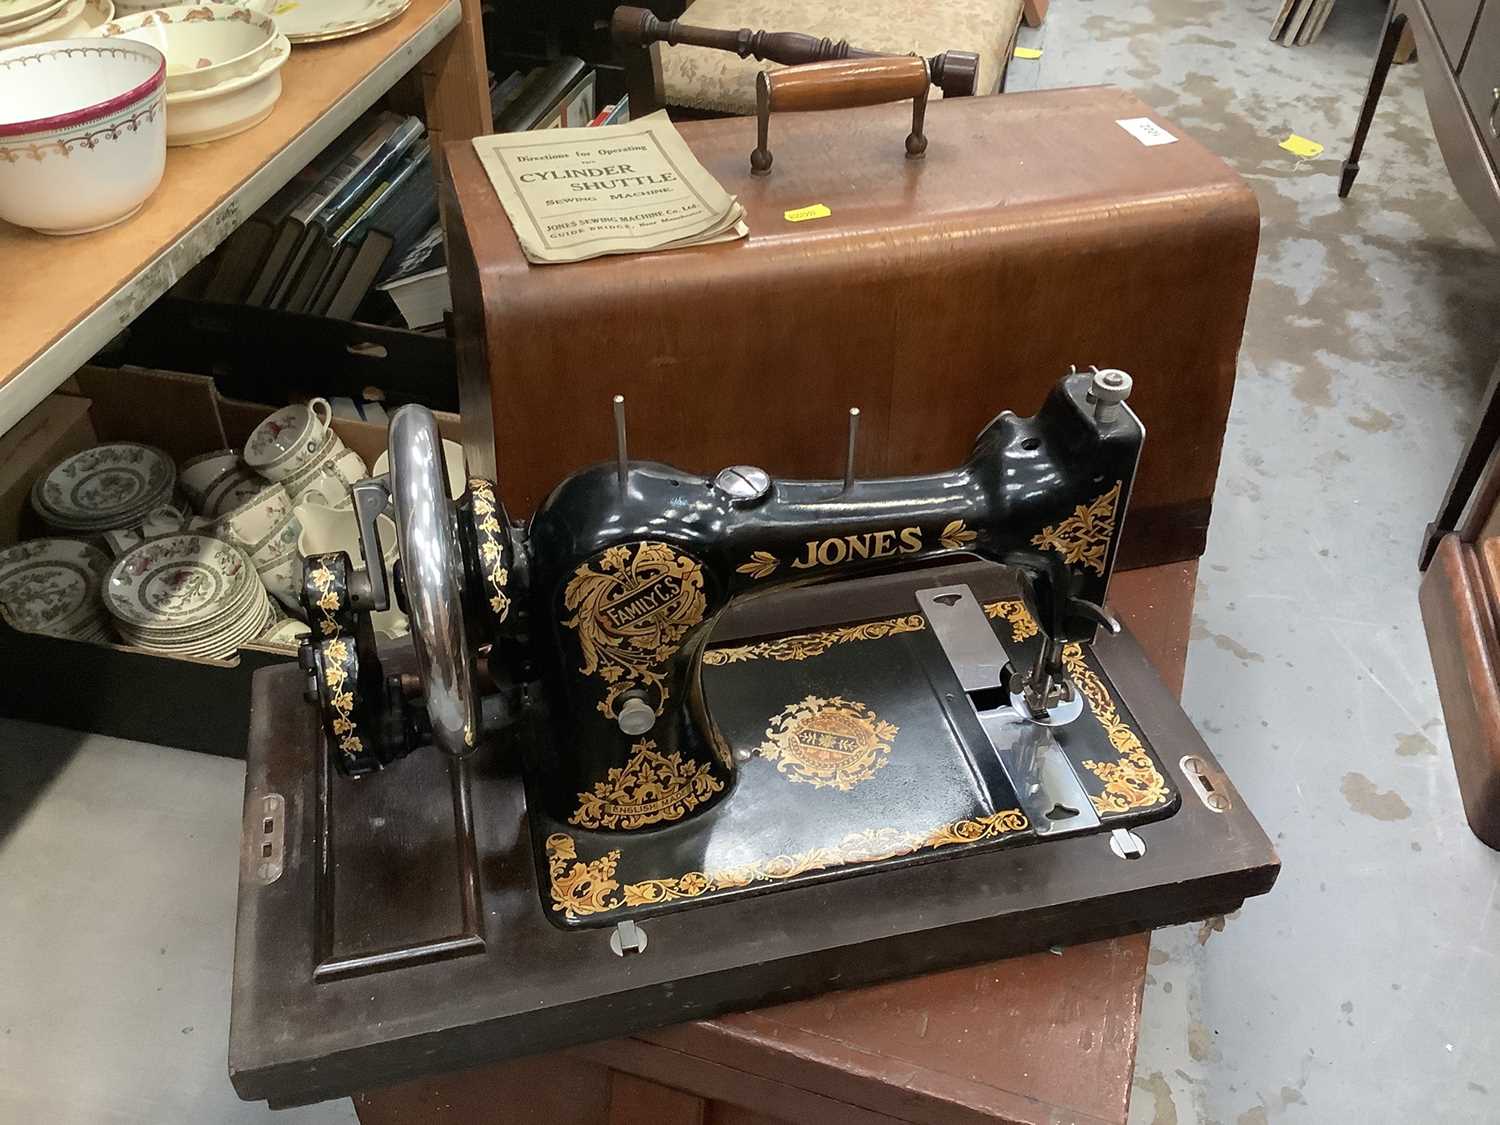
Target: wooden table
x=71, y=295
x=1046, y=1038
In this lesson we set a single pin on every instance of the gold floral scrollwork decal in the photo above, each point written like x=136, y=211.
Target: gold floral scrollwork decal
x=828, y=742
x=956, y=536
x=632, y=606
x=580, y=888
x=1132, y=782
x=328, y=600
x=804, y=646
x=651, y=788
x=1083, y=538
x=1013, y=611
x=762, y=564
x=487, y=525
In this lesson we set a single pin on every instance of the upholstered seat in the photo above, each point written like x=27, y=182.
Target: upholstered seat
x=699, y=78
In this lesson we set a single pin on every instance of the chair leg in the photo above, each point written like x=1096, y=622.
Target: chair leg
x=1395, y=24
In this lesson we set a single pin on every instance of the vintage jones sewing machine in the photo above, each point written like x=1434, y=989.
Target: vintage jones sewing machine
x=774, y=736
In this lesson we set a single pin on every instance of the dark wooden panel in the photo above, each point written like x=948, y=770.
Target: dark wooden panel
x=397, y=883
x=1453, y=20
x=543, y=1091
x=1480, y=77
x=1459, y=618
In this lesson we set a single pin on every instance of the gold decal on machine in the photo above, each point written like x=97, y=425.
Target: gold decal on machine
x=579, y=889
x=1083, y=538
x=652, y=788
x=632, y=606
x=851, y=548
x=828, y=742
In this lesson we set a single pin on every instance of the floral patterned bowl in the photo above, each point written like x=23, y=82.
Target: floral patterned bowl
x=83, y=134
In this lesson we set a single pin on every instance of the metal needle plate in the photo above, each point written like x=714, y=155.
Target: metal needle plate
x=1050, y=793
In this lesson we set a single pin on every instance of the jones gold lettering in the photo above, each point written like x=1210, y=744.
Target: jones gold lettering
x=831, y=552
x=870, y=545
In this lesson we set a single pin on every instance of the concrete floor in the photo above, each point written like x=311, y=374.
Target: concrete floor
x=1362, y=989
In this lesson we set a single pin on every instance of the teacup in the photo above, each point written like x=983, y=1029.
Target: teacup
x=249, y=525
x=283, y=445
x=200, y=474
x=282, y=578
x=230, y=491
x=281, y=541
x=330, y=480
x=325, y=530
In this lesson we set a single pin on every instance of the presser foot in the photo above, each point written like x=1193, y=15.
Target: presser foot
x=1019, y=715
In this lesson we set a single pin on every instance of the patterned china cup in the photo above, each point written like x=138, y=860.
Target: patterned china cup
x=330, y=480
x=199, y=475
x=249, y=525
x=282, y=578
x=285, y=444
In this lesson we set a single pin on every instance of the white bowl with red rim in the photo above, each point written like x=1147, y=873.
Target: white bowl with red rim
x=83, y=132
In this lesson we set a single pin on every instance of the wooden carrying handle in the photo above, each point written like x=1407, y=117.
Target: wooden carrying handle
x=841, y=85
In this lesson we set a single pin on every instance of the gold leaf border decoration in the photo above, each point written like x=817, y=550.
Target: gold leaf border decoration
x=762, y=564
x=956, y=537
x=1083, y=538
x=802, y=646
x=1133, y=782
x=578, y=888
x=487, y=525
x=581, y=889
x=831, y=742
x=651, y=788
x=1013, y=611
x=633, y=605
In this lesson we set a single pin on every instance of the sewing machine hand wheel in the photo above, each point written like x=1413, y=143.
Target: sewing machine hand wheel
x=366, y=717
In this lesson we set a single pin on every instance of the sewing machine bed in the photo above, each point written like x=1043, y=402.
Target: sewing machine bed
x=856, y=758
x=417, y=921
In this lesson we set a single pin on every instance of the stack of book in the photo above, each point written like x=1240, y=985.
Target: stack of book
x=319, y=245
x=557, y=96
x=355, y=235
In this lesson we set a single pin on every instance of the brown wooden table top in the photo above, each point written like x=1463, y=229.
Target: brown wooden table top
x=1045, y=1038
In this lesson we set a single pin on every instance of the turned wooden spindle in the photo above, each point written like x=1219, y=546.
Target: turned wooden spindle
x=953, y=72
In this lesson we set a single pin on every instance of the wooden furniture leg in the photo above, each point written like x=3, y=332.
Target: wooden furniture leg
x=1395, y=25
x=455, y=84
x=1466, y=473
x=1034, y=12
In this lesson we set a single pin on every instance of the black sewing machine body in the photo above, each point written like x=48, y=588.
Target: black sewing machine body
x=689, y=744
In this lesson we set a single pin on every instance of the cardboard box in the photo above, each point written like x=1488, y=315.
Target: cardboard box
x=185, y=702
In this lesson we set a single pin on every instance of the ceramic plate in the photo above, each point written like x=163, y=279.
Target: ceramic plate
x=52, y=585
x=105, y=486
x=49, y=28
x=11, y=23
x=313, y=21
x=177, y=581
x=12, y=10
